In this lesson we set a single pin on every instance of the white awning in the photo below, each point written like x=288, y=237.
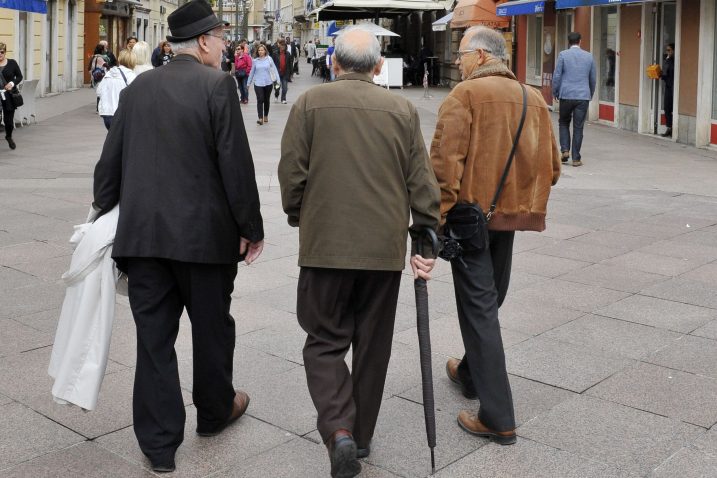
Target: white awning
x=355, y=9
x=441, y=24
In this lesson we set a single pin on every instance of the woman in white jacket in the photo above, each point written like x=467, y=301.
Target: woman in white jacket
x=143, y=55
x=115, y=80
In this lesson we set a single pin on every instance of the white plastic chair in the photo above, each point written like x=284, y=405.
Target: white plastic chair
x=27, y=112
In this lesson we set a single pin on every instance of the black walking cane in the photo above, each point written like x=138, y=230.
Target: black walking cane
x=424, y=343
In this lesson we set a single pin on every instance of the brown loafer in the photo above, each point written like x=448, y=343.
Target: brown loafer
x=577, y=163
x=565, y=156
x=452, y=372
x=342, y=453
x=469, y=421
x=241, y=403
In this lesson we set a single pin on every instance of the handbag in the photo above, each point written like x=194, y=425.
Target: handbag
x=466, y=224
x=16, y=98
x=241, y=73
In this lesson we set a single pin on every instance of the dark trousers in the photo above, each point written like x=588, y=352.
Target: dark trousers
x=159, y=289
x=577, y=110
x=339, y=309
x=480, y=289
x=8, y=118
x=243, y=90
x=284, y=88
x=667, y=106
x=263, y=99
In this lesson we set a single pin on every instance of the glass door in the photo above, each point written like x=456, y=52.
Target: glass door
x=665, y=20
x=606, y=60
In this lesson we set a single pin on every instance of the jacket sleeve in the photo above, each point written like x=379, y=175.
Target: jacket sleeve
x=108, y=170
x=234, y=160
x=294, y=162
x=558, y=76
x=423, y=193
x=554, y=150
x=250, y=80
x=449, y=149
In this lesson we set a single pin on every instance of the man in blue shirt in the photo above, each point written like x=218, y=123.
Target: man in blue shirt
x=573, y=86
x=329, y=60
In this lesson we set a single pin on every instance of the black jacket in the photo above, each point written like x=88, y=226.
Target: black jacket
x=668, y=72
x=11, y=72
x=289, y=64
x=177, y=159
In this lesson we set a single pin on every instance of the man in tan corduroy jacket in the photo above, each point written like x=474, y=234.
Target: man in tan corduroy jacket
x=476, y=126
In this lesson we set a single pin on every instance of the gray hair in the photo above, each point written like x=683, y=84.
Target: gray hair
x=486, y=39
x=190, y=44
x=357, y=58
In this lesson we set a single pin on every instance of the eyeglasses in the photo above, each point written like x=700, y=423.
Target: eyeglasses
x=221, y=37
x=460, y=53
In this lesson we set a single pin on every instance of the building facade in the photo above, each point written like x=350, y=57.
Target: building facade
x=625, y=38
x=45, y=38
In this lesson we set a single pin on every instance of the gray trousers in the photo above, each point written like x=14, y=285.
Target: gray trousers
x=481, y=285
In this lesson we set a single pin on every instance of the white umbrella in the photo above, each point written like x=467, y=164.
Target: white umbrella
x=372, y=28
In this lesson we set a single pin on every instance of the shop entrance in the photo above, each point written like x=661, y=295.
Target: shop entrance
x=663, y=22
x=606, y=19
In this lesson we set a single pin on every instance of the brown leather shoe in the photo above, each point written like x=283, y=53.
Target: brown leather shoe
x=469, y=421
x=565, y=156
x=241, y=402
x=452, y=372
x=342, y=453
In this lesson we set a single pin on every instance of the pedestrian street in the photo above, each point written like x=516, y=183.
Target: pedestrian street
x=609, y=325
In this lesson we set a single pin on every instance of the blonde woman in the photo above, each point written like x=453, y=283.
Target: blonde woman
x=263, y=75
x=116, y=80
x=143, y=54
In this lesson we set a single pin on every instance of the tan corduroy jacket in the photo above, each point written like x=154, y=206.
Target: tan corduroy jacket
x=474, y=133
x=353, y=166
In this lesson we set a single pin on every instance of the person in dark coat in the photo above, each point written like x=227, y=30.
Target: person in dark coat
x=668, y=76
x=284, y=62
x=10, y=77
x=182, y=166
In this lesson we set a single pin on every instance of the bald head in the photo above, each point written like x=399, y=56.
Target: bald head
x=357, y=51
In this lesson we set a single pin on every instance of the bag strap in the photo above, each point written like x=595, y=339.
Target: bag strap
x=123, y=77
x=494, y=202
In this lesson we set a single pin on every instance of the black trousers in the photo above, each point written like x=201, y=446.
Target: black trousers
x=8, y=118
x=263, y=99
x=159, y=290
x=667, y=104
x=339, y=308
x=480, y=290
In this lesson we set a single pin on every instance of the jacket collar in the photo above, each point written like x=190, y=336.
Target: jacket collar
x=492, y=67
x=356, y=76
x=185, y=57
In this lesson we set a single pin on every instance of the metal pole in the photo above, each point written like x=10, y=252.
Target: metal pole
x=236, y=20
x=244, y=20
x=221, y=9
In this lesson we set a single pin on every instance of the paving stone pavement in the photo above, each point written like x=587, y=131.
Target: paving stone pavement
x=610, y=325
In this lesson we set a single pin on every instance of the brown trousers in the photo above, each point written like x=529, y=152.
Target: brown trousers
x=339, y=308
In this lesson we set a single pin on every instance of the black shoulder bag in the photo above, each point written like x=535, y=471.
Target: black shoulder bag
x=466, y=226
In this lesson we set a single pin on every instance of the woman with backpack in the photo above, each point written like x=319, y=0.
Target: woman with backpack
x=99, y=64
x=242, y=68
x=117, y=79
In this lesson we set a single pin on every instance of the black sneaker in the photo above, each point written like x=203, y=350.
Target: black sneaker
x=10, y=142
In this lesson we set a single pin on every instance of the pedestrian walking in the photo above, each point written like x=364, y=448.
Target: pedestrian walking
x=478, y=130
x=167, y=53
x=668, y=76
x=10, y=77
x=180, y=161
x=143, y=57
x=574, y=86
x=117, y=79
x=330, y=59
x=112, y=58
x=263, y=76
x=353, y=217
x=283, y=61
x=242, y=68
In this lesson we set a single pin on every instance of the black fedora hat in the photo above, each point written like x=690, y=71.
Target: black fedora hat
x=191, y=20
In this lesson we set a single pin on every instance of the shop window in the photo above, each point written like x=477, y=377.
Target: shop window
x=608, y=48
x=714, y=77
x=534, y=67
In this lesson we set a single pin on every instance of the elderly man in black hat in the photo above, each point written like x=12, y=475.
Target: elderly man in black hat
x=178, y=159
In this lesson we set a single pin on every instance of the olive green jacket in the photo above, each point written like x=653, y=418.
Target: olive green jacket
x=353, y=165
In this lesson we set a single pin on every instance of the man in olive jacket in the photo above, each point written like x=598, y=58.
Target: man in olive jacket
x=353, y=164
x=476, y=126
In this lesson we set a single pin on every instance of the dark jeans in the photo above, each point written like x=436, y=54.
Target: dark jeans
x=577, y=110
x=107, y=121
x=243, y=90
x=338, y=309
x=8, y=118
x=159, y=290
x=284, y=87
x=263, y=99
x=481, y=285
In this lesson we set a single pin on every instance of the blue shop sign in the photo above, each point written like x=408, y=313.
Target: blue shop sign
x=520, y=7
x=34, y=6
x=563, y=4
